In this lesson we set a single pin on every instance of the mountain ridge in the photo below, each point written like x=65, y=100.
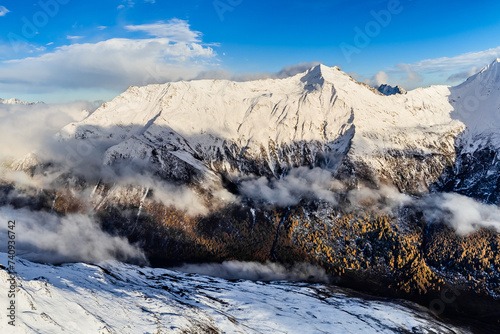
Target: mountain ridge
x=323, y=111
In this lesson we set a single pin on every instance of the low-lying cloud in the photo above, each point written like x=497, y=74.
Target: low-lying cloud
x=256, y=271
x=464, y=214
x=46, y=237
x=25, y=128
x=300, y=183
x=181, y=197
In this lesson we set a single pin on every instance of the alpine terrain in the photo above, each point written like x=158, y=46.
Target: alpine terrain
x=389, y=192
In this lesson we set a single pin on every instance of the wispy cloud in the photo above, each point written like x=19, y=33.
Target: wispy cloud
x=3, y=11
x=175, y=30
x=451, y=70
x=258, y=271
x=451, y=64
x=126, y=3
x=131, y=3
x=70, y=37
x=287, y=71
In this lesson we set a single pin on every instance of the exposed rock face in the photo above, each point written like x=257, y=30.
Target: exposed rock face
x=390, y=90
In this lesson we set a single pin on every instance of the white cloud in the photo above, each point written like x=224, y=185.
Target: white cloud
x=408, y=76
x=258, y=271
x=70, y=37
x=452, y=64
x=461, y=76
x=287, y=71
x=3, y=11
x=175, y=30
x=380, y=78
x=300, y=183
x=464, y=214
x=131, y=3
x=112, y=64
x=102, y=27
x=126, y=3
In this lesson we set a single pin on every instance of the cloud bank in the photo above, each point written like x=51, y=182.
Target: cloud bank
x=25, y=128
x=112, y=64
x=174, y=52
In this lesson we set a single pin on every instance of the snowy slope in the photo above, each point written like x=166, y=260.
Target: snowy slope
x=477, y=102
x=321, y=117
x=119, y=298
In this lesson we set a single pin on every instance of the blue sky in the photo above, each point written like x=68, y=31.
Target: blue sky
x=62, y=50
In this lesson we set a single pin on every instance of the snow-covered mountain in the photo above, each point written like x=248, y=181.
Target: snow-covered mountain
x=321, y=117
x=118, y=298
x=13, y=101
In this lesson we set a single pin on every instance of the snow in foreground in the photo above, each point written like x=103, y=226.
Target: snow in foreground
x=120, y=298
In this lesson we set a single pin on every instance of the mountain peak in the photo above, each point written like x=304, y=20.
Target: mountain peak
x=495, y=63
x=314, y=76
x=489, y=76
x=321, y=73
